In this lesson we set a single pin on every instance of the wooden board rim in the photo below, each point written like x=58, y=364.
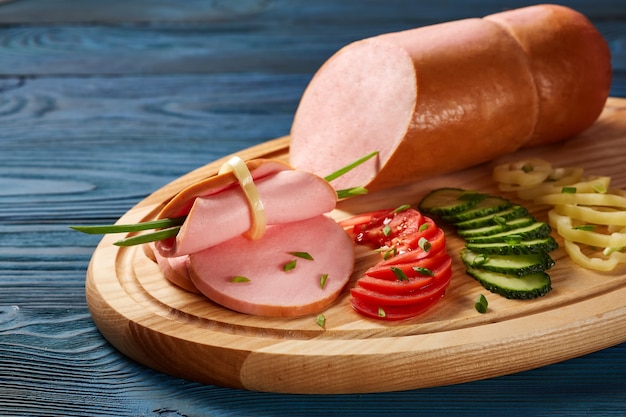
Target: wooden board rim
x=337, y=360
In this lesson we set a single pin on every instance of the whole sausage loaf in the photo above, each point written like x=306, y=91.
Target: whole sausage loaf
x=444, y=97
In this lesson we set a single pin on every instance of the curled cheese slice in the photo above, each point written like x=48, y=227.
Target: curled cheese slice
x=524, y=173
x=238, y=167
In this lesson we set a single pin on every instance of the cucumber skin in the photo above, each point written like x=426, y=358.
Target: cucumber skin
x=542, y=264
x=511, y=213
x=524, y=248
x=523, y=221
x=542, y=231
x=427, y=207
x=510, y=293
x=479, y=210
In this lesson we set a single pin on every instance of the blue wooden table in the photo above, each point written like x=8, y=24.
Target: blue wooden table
x=102, y=103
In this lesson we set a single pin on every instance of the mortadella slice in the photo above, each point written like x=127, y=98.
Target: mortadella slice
x=440, y=98
x=217, y=216
x=270, y=289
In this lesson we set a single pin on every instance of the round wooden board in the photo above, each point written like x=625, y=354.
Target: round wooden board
x=186, y=335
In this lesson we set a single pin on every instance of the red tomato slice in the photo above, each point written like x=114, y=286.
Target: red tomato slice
x=437, y=244
x=411, y=298
x=413, y=284
x=396, y=312
x=384, y=271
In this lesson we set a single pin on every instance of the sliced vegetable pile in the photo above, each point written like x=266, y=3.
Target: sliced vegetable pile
x=586, y=212
x=415, y=270
x=506, y=249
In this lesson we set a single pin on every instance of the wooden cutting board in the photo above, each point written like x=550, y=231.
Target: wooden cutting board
x=183, y=334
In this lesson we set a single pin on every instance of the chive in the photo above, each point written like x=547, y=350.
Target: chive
x=148, y=237
x=303, y=255
x=290, y=265
x=349, y=167
x=424, y=244
x=480, y=259
x=402, y=208
x=423, y=227
x=323, y=280
x=125, y=228
x=528, y=168
x=321, y=321
x=513, y=239
x=609, y=251
x=381, y=312
x=349, y=192
x=424, y=271
x=568, y=190
x=481, y=304
x=239, y=278
x=599, y=188
x=390, y=253
x=386, y=230
x=585, y=227
x=399, y=273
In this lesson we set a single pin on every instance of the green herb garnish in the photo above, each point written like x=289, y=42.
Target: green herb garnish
x=568, y=190
x=351, y=192
x=424, y=271
x=585, y=227
x=239, y=278
x=290, y=265
x=399, y=273
x=126, y=228
x=402, y=208
x=321, y=321
x=424, y=244
x=349, y=167
x=381, y=312
x=148, y=237
x=303, y=255
x=386, y=230
x=481, y=304
x=423, y=227
x=323, y=280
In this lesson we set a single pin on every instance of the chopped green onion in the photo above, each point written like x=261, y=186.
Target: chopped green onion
x=402, y=208
x=381, y=312
x=349, y=167
x=599, y=188
x=349, y=192
x=148, y=237
x=390, y=253
x=126, y=228
x=609, y=251
x=480, y=259
x=290, y=265
x=424, y=244
x=321, y=321
x=585, y=227
x=399, y=273
x=303, y=255
x=528, y=168
x=239, y=278
x=424, y=271
x=513, y=239
x=423, y=227
x=386, y=230
x=323, y=280
x=481, y=304
x=568, y=190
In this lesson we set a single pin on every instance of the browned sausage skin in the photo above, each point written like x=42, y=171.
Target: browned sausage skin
x=444, y=97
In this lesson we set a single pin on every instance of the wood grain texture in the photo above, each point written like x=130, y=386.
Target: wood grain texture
x=184, y=334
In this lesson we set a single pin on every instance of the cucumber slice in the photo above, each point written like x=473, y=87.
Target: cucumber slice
x=500, y=217
x=509, y=286
x=524, y=247
x=496, y=228
x=536, y=230
x=483, y=208
x=517, y=265
x=448, y=201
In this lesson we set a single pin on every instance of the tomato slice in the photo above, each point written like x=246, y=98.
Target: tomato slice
x=411, y=285
x=437, y=244
x=383, y=270
x=396, y=312
x=410, y=298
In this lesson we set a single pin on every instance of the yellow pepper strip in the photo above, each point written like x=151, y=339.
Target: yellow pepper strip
x=588, y=185
x=523, y=173
x=596, y=263
x=586, y=199
x=597, y=215
x=558, y=178
x=565, y=228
